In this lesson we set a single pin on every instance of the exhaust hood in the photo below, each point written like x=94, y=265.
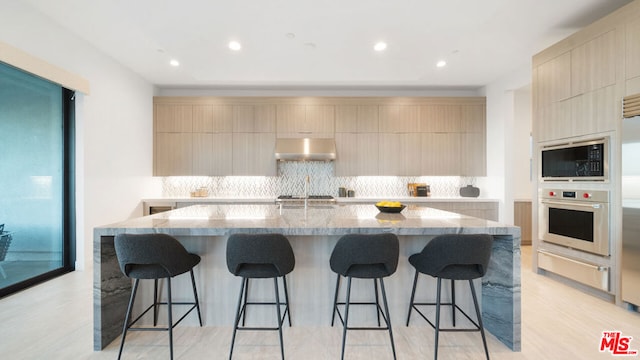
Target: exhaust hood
x=305, y=149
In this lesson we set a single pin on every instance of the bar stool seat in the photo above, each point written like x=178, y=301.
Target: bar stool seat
x=155, y=256
x=453, y=257
x=260, y=256
x=364, y=256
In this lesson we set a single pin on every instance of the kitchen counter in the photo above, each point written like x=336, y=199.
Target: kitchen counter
x=203, y=229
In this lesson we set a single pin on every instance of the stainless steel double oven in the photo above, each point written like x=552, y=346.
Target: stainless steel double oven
x=577, y=219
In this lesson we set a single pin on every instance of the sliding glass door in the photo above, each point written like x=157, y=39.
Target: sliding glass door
x=36, y=173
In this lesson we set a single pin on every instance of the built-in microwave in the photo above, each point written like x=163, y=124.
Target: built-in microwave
x=576, y=161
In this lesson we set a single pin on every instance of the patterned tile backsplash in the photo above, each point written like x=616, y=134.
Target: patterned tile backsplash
x=291, y=181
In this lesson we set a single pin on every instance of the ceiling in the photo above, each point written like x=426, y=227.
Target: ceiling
x=324, y=43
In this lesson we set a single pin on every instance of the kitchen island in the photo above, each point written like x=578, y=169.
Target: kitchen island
x=313, y=231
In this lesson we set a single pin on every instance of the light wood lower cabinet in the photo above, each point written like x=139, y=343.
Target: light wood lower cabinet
x=254, y=154
x=522, y=217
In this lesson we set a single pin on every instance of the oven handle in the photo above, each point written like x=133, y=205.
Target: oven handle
x=591, y=205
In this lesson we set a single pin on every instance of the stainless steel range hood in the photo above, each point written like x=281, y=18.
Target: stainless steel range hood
x=305, y=149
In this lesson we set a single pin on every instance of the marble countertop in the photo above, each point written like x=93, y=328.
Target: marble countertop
x=222, y=220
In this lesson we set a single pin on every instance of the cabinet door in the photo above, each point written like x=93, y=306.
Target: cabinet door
x=399, y=118
x=173, y=118
x=357, y=118
x=440, y=118
x=441, y=154
x=473, y=160
x=632, y=63
x=554, y=120
x=212, y=118
x=357, y=154
x=212, y=154
x=554, y=80
x=595, y=111
x=254, y=154
x=399, y=154
x=319, y=120
x=173, y=154
x=254, y=118
x=593, y=64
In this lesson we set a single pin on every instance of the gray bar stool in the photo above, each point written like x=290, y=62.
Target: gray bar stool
x=155, y=256
x=260, y=256
x=454, y=257
x=364, y=256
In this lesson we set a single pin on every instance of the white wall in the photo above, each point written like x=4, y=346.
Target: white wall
x=523, y=186
x=501, y=142
x=114, y=123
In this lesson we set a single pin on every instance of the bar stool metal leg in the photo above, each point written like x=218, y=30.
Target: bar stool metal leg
x=170, y=317
x=286, y=299
x=435, y=353
x=375, y=287
x=155, y=302
x=195, y=296
x=244, y=303
x=453, y=302
x=475, y=303
x=275, y=283
x=335, y=301
x=388, y=318
x=413, y=294
x=238, y=314
x=127, y=317
x=346, y=317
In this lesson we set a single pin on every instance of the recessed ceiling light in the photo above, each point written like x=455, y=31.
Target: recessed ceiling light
x=174, y=62
x=381, y=46
x=441, y=63
x=290, y=36
x=234, y=45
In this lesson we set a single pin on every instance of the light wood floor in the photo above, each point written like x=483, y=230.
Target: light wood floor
x=54, y=321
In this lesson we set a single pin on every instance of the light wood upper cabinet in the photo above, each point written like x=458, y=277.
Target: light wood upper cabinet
x=399, y=154
x=473, y=158
x=173, y=154
x=173, y=118
x=440, y=118
x=357, y=154
x=595, y=111
x=399, y=118
x=212, y=118
x=212, y=154
x=293, y=120
x=473, y=119
x=254, y=118
x=632, y=58
x=254, y=154
x=440, y=154
x=593, y=64
x=374, y=136
x=357, y=119
x=554, y=80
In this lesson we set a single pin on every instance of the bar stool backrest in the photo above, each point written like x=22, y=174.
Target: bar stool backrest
x=259, y=255
x=152, y=256
x=366, y=255
x=456, y=256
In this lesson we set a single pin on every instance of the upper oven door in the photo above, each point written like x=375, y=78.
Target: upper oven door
x=579, y=225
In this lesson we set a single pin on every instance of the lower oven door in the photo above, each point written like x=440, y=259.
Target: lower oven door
x=579, y=225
